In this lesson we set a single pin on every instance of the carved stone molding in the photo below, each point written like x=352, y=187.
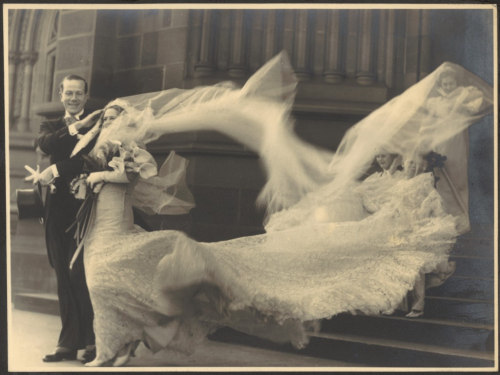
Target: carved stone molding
x=29, y=57
x=14, y=57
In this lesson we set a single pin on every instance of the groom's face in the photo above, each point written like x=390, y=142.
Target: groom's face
x=73, y=96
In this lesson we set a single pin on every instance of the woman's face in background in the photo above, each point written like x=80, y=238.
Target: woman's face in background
x=109, y=116
x=448, y=84
x=384, y=160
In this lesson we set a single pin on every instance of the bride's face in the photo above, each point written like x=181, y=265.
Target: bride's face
x=109, y=116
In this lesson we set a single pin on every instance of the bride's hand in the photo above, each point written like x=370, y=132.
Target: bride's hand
x=89, y=121
x=95, y=178
x=97, y=187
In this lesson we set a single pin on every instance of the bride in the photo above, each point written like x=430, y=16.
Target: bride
x=333, y=243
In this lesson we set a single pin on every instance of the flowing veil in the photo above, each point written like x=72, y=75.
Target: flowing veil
x=256, y=115
x=421, y=119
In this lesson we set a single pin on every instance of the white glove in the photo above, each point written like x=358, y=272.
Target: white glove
x=44, y=178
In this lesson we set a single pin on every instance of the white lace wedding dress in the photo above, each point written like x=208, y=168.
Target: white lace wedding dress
x=320, y=267
x=267, y=284
x=120, y=259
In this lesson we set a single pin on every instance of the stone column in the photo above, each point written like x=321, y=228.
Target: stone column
x=333, y=66
x=390, y=56
x=270, y=35
x=425, y=44
x=351, y=52
x=14, y=60
x=301, y=53
x=205, y=65
x=365, y=74
x=381, y=45
x=29, y=58
x=412, y=41
x=256, y=44
x=288, y=30
x=237, y=57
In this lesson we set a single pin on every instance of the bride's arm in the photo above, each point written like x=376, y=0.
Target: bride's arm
x=131, y=161
x=115, y=176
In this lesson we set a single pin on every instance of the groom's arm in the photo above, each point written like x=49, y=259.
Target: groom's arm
x=70, y=167
x=50, y=140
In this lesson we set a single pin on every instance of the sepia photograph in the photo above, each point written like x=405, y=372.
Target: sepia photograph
x=251, y=187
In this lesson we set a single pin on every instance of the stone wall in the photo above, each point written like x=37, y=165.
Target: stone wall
x=348, y=62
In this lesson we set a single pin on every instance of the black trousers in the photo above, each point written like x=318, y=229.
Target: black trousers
x=74, y=301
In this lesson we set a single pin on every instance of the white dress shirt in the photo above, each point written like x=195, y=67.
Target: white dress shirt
x=72, y=131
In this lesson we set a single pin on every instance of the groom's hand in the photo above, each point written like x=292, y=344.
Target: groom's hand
x=88, y=121
x=44, y=178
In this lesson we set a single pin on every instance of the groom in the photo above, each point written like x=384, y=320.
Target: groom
x=57, y=139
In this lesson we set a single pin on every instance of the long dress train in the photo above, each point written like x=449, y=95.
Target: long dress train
x=266, y=285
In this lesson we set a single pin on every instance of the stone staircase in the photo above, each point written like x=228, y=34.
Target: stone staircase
x=457, y=329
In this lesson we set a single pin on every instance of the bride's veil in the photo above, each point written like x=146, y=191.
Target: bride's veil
x=424, y=118
x=256, y=115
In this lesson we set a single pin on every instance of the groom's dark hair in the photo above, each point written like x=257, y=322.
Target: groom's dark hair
x=73, y=77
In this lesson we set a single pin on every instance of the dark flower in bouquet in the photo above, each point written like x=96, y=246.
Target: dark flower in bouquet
x=434, y=160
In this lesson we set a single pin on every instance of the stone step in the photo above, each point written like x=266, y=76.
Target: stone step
x=465, y=287
x=480, y=231
x=474, y=246
x=454, y=310
x=401, y=341
x=46, y=303
x=459, y=310
x=369, y=351
x=389, y=352
x=473, y=266
x=457, y=335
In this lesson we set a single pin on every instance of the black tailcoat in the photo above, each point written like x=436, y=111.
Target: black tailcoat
x=60, y=212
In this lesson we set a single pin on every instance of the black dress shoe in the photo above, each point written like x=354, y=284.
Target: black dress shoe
x=88, y=355
x=60, y=356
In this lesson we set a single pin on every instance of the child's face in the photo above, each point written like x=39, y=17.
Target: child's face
x=384, y=160
x=448, y=84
